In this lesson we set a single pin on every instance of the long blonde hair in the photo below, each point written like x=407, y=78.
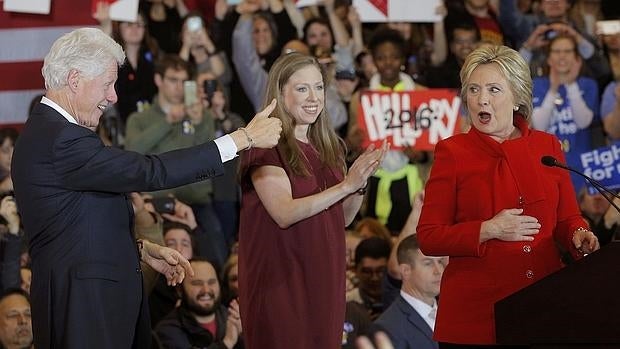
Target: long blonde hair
x=320, y=134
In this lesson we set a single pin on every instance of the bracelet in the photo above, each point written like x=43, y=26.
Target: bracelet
x=250, y=141
x=140, y=245
x=580, y=229
x=575, y=232
x=362, y=190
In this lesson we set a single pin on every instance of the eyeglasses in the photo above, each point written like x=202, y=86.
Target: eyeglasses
x=367, y=271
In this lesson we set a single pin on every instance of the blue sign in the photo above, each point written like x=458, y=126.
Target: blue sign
x=603, y=165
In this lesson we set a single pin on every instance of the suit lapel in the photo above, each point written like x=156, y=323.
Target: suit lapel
x=414, y=318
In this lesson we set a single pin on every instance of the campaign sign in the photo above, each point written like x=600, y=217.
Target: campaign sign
x=603, y=165
x=409, y=119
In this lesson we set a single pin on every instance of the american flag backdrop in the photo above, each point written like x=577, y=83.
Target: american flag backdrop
x=24, y=41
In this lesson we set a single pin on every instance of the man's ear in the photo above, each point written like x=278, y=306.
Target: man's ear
x=158, y=80
x=73, y=79
x=405, y=269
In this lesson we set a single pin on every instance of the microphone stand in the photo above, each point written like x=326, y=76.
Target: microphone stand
x=596, y=184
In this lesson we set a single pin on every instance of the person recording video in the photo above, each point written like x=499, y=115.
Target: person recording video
x=178, y=118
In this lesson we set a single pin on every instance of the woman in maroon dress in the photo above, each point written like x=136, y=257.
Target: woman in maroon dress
x=297, y=200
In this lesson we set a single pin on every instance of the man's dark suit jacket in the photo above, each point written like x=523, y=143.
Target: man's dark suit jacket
x=405, y=326
x=70, y=190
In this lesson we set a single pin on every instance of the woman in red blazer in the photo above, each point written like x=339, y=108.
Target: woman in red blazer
x=491, y=205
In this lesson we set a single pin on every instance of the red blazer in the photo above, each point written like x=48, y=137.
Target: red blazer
x=474, y=178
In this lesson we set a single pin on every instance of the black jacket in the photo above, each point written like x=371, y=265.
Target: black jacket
x=180, y=330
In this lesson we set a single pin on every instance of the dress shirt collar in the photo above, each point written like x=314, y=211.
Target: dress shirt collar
x=423, y=309
x=59, y=109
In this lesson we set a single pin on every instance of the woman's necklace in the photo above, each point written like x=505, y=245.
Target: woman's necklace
x=558, y=100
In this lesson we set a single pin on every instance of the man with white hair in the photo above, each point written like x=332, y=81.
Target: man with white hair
x=71, y=190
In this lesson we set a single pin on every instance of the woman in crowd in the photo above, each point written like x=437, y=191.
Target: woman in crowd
x=492, y=206
x=297, y=200
x=610, y=103
x=8, y=137
x=566, y=103
x=393, y=186
x=135, y=86
x=197, y=47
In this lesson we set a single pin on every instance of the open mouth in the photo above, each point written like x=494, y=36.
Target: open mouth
x=484, y=117
x=207, y=297
x=311, y=109
x=102, y=107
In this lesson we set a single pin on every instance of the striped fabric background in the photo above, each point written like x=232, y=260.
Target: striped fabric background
x=24, y=41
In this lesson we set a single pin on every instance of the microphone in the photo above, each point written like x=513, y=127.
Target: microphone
x=550, y=161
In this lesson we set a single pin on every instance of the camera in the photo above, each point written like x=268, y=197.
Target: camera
x=194, y=24
x=162, y=205
x=550, y=34
x=346, y=75
x=210, y=86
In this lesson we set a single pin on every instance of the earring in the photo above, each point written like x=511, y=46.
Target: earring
x=515, y=108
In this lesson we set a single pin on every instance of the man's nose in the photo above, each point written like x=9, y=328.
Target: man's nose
x=112, y=97
x=22, y=319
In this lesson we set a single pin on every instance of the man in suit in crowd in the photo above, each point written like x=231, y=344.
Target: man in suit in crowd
x=410, y=320
x=71, y=191
x=201, y=320
x=15, y=325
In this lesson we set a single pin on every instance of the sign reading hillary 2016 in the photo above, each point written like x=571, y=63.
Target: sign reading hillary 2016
x=603, y=165
x=409, y=119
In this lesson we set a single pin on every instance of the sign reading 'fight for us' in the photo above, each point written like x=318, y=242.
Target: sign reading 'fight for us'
x=417, y=118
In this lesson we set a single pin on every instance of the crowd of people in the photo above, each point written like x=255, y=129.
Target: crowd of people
x=305, y=239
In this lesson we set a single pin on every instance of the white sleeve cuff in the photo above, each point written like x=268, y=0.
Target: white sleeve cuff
x=572, y=90
x=227, y=148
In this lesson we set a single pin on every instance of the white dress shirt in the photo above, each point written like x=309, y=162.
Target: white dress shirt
x=427, y=312
x=225, y=144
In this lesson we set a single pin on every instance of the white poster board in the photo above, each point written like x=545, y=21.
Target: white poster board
x=28, y=6
x=422, y=11
x=124, y=10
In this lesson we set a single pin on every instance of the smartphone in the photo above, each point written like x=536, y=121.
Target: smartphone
x=190, y=93
x=162, y=205
x=194, y=24
x=210, y=86
x=550, y=34
x=608, y=27
x=345, y=75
